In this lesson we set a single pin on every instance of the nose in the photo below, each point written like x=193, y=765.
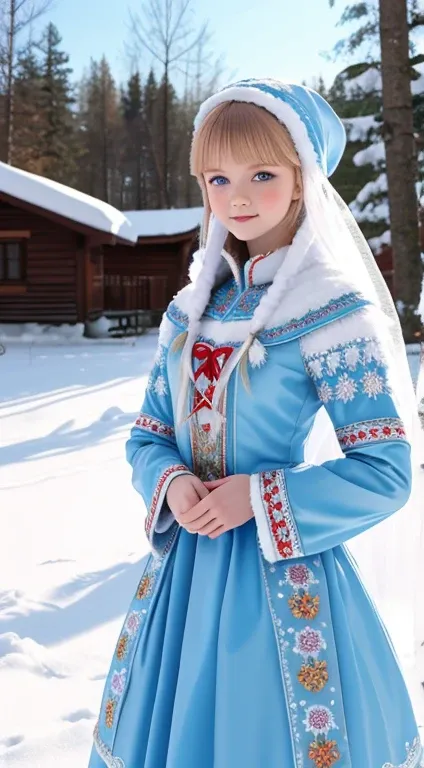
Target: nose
x=240, y=200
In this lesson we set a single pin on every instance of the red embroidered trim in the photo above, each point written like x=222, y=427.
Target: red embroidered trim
x=373, y=431
x=158, y=490
x=151, y=424
x=281, y=521
x=255, y=261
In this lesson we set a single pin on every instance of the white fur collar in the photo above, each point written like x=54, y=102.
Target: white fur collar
x=316, y=289
x=258, y=270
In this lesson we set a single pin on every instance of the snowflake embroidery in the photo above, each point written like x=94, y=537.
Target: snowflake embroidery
x=352, y=356
x=325, y=392
x=373, y=384
x=316, y=367
x=319, y=720
x=345, y=388
x=160, y=386
x=372, y=351
x=333, y=361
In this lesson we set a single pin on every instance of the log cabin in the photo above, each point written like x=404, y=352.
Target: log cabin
x=66, y=257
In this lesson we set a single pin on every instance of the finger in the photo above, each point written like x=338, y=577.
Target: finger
x=196, y=511
x=217, y=532
x=212, y=484
x=200, y=488
x=208, y=526
x=202, y=521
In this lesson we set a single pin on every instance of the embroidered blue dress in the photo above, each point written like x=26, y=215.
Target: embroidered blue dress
x=262, y=648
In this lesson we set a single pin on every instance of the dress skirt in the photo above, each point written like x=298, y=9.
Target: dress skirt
x=206, y=685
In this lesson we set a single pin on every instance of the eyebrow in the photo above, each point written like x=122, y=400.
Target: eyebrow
x=250, y=168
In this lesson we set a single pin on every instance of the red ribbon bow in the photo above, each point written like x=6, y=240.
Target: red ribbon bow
x=211, y=368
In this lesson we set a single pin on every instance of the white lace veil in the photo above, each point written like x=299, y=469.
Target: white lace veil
x=390, y=556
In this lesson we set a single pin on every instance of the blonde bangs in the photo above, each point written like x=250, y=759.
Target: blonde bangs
x=247, y=133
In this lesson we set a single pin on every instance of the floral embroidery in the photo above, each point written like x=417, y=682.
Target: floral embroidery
x=324, y=753
x=280, y=518
x=117, y=687
x=110, y=712
x=300, y=576
x=105, y=753
x=304, y=606
x=372, y=431
x=157, y=495
x=319, y=750
x=309, y=643
x=314, y=677
x=150, y=424
x=122, y=647
x=414, y=756
x=145, y=587
x=319, y=720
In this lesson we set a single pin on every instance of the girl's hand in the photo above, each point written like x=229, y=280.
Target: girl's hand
x=184, y=492
x=227, y=506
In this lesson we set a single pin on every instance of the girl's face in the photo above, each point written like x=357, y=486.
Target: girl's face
x=252, y=201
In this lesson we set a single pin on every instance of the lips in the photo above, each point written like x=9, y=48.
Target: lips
x=243, y=218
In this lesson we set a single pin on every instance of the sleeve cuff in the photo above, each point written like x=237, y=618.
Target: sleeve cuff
x=277, y=531
x=160, y=518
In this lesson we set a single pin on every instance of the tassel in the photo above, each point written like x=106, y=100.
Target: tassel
x=179, y=341
x=244, y=373
x=257, y=354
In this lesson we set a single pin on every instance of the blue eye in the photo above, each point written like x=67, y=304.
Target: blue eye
x=268, y=175
x=218, y=179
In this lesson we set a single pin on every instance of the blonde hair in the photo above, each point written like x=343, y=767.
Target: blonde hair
x=248, y=133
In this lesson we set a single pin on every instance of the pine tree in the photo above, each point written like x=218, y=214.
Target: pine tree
x=134, y=154
x=29, y=125
x=58, y=148
x=378, y=29
x=100, y=135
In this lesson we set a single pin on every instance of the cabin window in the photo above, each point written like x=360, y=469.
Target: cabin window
x=12, y=261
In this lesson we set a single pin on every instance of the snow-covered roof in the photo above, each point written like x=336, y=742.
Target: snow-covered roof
x=173, y=221
x=65, y=201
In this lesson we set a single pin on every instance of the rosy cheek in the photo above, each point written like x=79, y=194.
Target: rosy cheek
x=272, y=196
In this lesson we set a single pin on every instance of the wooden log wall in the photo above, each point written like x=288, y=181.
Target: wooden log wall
x=50, y=291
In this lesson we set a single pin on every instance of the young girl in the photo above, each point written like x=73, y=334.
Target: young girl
x=251, y=641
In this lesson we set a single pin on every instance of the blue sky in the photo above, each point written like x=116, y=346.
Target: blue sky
x=277, y=38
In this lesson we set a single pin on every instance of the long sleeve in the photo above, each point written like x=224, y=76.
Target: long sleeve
x=152, y=449
x=303, y=510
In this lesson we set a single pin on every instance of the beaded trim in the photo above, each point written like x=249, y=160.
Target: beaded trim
x=414, y=757
x=105, y=753
x=281, y=522
x=372, y=431
x=174, y=469
x=150, y=424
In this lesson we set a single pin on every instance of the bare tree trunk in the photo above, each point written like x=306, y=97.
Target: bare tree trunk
x=9, y=81
x=401, y=161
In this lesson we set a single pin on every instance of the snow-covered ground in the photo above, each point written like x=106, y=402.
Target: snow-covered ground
x=66, y=577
